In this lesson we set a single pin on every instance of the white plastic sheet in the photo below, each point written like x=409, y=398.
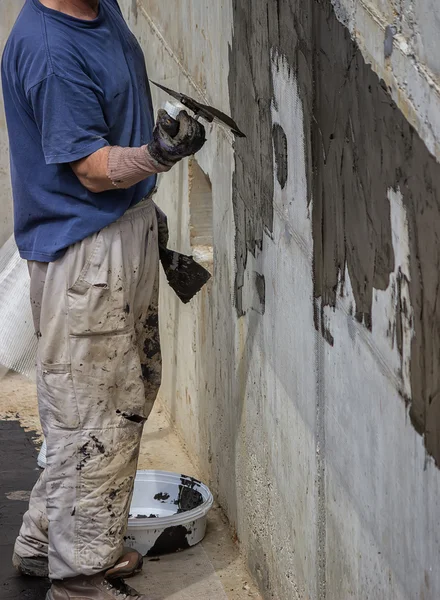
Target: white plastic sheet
x=18, y=343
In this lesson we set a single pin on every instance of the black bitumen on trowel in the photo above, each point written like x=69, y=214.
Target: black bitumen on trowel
x=184, y=275
x=209, y=113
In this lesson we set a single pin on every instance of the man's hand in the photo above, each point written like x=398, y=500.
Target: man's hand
x=169, y=150
x=117, y=167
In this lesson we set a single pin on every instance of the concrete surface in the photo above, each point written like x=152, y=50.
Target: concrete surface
x=304, y=392
x=213, y=570
x=18, y=475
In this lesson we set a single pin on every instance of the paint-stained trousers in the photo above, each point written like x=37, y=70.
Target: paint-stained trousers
x=99, y=371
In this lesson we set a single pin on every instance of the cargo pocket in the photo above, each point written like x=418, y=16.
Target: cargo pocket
x=100, y=301
x=89, y=272
x=58, y=397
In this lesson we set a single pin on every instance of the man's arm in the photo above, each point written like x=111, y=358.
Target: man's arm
x=114, y=167
x=92, y=171
x=78, y=137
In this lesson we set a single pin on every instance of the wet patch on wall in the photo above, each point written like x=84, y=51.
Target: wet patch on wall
x=258, y=28
x=358, y=146
x=251, y=92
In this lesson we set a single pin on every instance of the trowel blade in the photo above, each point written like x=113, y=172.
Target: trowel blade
x=183, y=273
x=172, y=93
x=209, y=113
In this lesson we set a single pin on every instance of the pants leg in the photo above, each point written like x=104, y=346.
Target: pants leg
x=33, y=538
x=92, y=392
x=148, y=344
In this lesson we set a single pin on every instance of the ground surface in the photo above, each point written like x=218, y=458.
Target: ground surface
x=213, y=570
x=18, y=473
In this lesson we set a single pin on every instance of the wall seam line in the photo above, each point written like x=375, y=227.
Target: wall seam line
x=321, y=525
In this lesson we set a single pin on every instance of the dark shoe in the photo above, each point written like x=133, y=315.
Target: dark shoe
x=95, y=587
x=128, y=565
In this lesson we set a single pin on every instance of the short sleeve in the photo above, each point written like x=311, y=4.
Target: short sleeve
x=116, y=3
x=69, y=117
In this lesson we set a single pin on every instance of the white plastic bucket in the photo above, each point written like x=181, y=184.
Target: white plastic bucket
x=168, y=512
x=41, y=460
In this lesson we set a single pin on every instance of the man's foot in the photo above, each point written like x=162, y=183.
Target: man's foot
x=128, y=565
x=92, y=588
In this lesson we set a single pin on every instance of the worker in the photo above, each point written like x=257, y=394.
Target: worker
x=85, y=152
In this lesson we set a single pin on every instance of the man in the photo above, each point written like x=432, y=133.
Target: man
x=84, y=158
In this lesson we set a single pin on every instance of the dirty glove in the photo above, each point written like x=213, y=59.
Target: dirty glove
x=168, y=150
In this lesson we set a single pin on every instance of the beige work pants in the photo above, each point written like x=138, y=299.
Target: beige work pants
x=99, y=371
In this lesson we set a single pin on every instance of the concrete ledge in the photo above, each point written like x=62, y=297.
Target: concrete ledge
x=412, y=85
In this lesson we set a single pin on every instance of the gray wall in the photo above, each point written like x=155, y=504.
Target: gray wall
x=304, y=378
x=8, y=13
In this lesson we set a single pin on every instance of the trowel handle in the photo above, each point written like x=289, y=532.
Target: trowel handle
x=170, y=125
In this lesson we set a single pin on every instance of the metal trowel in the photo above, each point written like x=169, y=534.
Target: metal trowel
x=184, y=275
x=209, y=113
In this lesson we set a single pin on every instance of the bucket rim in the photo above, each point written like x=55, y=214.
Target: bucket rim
x=190, y=516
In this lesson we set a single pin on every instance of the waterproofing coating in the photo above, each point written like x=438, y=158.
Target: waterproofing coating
x=358, y=146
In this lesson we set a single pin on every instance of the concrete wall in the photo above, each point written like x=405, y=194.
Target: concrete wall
x=9, y=10
x=304, y=378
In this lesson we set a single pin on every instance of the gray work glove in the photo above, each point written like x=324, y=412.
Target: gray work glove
x=188, y=140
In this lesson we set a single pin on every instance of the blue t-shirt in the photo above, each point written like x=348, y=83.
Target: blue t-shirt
x=70, y=88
